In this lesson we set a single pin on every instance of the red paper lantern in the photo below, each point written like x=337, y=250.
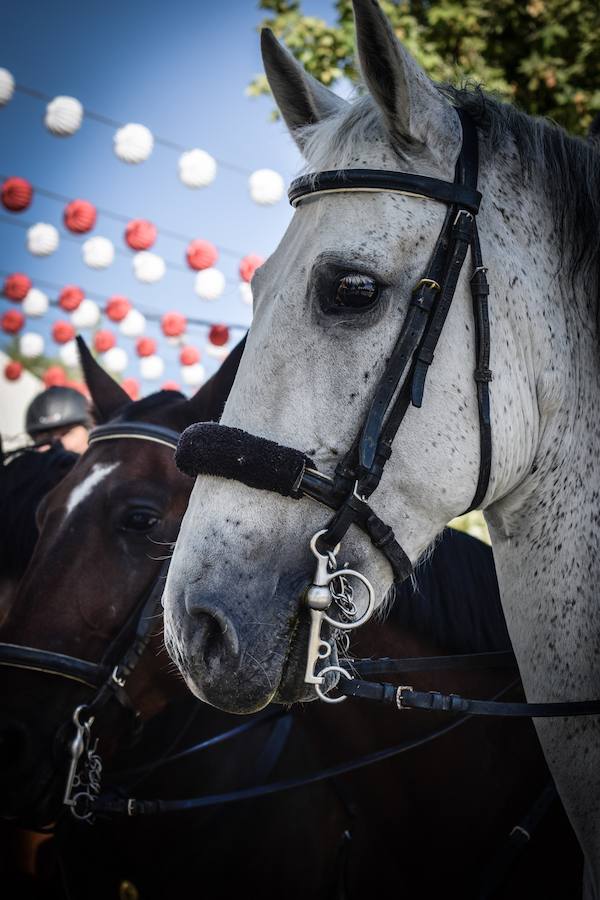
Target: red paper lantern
x=79, y=216
x=132, y=387
x=170, y=386
x=54, y=376
x=117, y=308
x=218, y=335
x=201, y=254
x=16, y=286
x=104, y=340
x=145, y=346
x=249, y=265
x=189, y=356
x=12, y=321
x=12, y=370
x=63, y=332
x=173, y=324
x=70, y=297
x=140, y=234
x=16, y=194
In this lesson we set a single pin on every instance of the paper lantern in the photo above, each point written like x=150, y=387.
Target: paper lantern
x=209, y=284
x=218, y=335
x=133, y=143
x=170, y=386
x=17, y=194
x=70, y=297
x=249, y=265
x=79, y=216
x=175, y=341
x=201, y=254
x=54, y=376
x=193, y=376
x=219, y=353
x=115, y=360
x=266, y=187
x=64, y=116
x=63, y=332
x=31, y=345
x=87, y=314
x=151, y=367
x=98, y=252
x=13, y=370
x=148, y=267
x=173, y=324
x=189, y=356
x=104, y=340
x=16, y=286
x=35, y=303
x=140, y=234
x=12, y=321
x=146, y=346
x=117, y=308
x=7, y=86
x=246, y=293
x=197, y=168
x=69, y=355
x=42, y=239
x=131, y=386
x=134, y=324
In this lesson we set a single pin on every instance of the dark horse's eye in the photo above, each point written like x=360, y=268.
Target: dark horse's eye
x=356, y=291
x=139, y=520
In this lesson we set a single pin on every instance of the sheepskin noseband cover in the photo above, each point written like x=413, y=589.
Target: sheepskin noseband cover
x=211, y=449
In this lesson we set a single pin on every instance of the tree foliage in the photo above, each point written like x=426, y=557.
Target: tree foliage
x=543, y=55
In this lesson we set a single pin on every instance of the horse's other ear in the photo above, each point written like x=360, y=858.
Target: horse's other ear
x=208, y=402
x=106, y=394
x=594, y=130
x=413, y=109
x=302, y=100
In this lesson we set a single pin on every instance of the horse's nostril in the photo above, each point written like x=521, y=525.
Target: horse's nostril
x=14, y=744
x=219, y=638
x=214, y=645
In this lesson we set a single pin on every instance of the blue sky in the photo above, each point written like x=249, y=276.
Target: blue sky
x=179, y=68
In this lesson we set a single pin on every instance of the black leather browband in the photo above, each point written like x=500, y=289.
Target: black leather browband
x=379, y=180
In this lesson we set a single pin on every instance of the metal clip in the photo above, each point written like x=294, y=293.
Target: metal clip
x=399, y=697
x=119, y=680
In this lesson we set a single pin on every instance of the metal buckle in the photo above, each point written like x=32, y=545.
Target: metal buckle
x=131, y=806
x=427, y=281
x=119, y=680
x=399, y=698
x=463, y=212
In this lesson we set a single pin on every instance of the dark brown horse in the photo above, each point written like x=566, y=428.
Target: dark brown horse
x=101, y=531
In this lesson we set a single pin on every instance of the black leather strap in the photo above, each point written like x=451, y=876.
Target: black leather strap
x=134, y=430
x=46, y=661
x=496, y=659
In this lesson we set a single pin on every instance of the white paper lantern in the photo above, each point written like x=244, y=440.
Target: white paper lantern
x=7, y=86
x=151, y=367
x=35, y=303
x=133, y=143
x=193, y=375
x=115, y=360
x=69, y=354
x=209, y=284
x=197, y=168
x=133, y=325
x=246, y=293
x=64, y=116
x=219, y=353
x=31, y=345
x=266, y=187
x=98, y=252
x=87, y=314
x=176, y=341
x=42, y=239
x=148, y=267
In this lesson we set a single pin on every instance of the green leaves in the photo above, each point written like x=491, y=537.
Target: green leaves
x=543, y=55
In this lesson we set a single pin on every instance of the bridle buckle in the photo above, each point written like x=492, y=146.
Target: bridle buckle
x=399, y=695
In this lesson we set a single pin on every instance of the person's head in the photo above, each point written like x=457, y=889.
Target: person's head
x=59, y=413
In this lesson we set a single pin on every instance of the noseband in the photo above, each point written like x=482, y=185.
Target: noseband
x=107, y=679
x=232, y=453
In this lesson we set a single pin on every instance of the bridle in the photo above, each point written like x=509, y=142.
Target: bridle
x=107, y=679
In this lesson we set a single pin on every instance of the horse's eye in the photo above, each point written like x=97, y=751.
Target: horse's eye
x=356, y=291
x=139, y=520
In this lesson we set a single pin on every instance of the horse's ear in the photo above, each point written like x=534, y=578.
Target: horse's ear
x=414, y=110
x=594, y=130
x=208, y=402
x=302, y=100
x=106, y=394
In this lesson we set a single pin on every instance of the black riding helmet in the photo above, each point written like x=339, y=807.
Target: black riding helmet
x=56, y=407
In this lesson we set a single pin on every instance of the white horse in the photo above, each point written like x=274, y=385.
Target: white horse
x=234, y=618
